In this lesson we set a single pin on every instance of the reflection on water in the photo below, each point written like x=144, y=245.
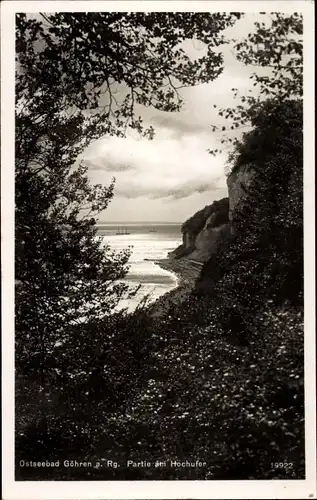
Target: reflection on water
x=148, y=242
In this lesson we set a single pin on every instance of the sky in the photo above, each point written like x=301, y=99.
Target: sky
x=173, y=176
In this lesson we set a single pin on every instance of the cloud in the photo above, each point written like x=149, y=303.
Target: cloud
x=166, y=168
x=176, y=193
x=107, y=165
x=180, y=126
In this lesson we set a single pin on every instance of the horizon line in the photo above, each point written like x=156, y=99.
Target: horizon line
x=139, y=222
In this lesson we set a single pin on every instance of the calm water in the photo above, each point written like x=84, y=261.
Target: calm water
x=149, y=241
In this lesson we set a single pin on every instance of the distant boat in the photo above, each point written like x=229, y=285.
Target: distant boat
x=152, y=230
x=122, y=230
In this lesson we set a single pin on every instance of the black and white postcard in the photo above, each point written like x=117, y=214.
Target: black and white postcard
x=158, y=250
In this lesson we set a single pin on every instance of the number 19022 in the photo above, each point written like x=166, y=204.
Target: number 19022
x=281, y=465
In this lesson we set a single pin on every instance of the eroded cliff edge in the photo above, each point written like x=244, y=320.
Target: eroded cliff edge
x=203, y=232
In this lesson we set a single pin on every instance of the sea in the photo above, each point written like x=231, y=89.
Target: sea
x=149, y=241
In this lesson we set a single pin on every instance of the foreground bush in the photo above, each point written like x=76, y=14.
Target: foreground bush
x=237, y=408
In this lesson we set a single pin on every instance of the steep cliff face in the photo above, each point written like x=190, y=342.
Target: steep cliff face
x=203, y=231
x=238, y=183
x=208, y=239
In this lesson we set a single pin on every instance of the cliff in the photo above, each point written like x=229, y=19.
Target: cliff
x=238, y=182
x=207, y=228
x=203, y=231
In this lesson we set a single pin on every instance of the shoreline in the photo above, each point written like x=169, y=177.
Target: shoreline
x=186, y=274
x=186, y=270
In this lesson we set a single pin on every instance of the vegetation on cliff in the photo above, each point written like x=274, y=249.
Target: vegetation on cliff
x=219, y=208
x=268, y=221
x=217, y=212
